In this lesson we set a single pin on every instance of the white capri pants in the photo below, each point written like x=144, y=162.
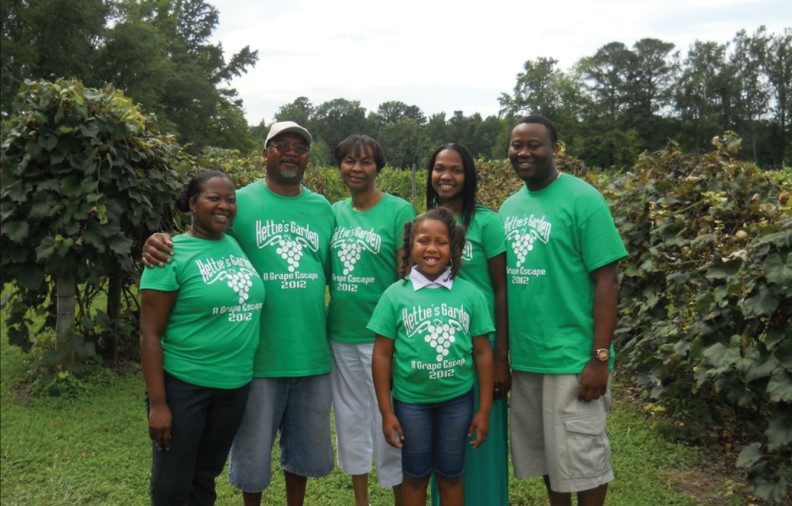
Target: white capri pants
x=357, y=418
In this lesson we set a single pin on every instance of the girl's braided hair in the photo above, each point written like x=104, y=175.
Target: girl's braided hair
x=456, y=233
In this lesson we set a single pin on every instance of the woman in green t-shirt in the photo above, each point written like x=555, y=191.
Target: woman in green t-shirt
x=199, y=329
x=451, y=183
x=365, y=249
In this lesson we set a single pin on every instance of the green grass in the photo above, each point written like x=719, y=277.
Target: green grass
x=95, y=450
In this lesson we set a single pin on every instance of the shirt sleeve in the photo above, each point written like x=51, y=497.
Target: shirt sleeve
x=492, y=236
x=161, y=279
x=599, y=239
x=383, y=319
x=481, y=323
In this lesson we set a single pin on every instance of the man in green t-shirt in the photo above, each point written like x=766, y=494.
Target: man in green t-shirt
x=562, y=280
x=285, y=230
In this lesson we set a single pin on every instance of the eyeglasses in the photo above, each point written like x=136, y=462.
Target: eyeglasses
x=283, y=147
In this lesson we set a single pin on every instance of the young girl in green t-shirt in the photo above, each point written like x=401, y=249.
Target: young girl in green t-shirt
x=434, y=327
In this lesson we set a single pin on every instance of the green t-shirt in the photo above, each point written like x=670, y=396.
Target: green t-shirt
x=432, y=331
x=213, y=329
x=555, y=237
x=363, y=262
x=483, y=241
x=287, y=239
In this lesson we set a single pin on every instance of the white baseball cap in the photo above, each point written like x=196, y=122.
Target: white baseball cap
x=283, y=127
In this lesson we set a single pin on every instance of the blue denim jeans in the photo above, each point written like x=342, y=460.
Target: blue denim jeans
x=298, y=408
x=205, y=421
x=435, y=436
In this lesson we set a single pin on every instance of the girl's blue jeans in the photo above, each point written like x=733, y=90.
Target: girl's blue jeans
x=435, y=436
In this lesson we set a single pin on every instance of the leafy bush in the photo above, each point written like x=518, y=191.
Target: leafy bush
x=706, y=297
x=242, y=169
x=86, y=177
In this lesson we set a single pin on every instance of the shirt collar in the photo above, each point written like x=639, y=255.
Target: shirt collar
x=420, y=281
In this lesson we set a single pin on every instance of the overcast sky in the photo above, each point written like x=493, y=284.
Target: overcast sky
x=449, y=55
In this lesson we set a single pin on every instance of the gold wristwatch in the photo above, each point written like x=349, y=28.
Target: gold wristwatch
x=602, y=354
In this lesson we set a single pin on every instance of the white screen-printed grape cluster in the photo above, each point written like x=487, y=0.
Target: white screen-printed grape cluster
x=522, y=244
x=240, y=283
x=349, y=254
x=291, y=251
x=440, y=337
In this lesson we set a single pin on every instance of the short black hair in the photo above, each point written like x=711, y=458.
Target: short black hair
x=358, y=144
x=195, y=187
x=541, y=120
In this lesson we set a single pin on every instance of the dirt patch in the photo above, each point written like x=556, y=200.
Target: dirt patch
x=715, y=481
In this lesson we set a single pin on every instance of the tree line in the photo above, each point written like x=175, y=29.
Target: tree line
x=609, y=106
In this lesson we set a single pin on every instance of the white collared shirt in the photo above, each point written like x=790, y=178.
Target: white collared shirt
x=420, y=281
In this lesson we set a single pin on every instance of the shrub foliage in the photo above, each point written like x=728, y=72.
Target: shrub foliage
x=86, y=176
x=706, y=297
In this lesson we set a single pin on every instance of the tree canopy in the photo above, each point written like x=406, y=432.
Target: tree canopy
x=86, y=178
x=158, y=52
x=622, y=100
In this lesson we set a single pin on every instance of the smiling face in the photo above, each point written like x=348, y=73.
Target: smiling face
x=431, y=247
x=286, y=157
x=448, y=176
x=358, y=170
x=532, y=155
x=214, y=208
